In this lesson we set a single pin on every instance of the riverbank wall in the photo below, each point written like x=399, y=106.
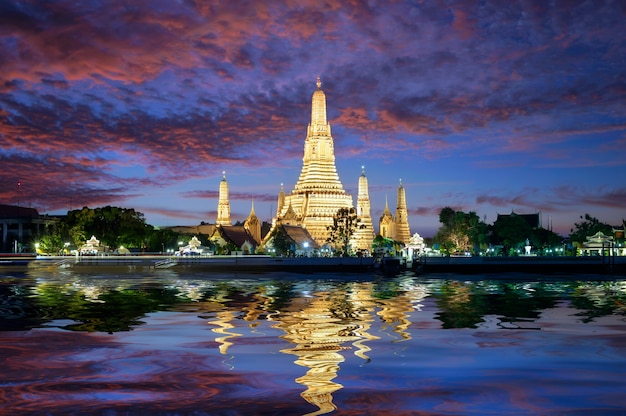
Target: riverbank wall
x=531, y=264
x=260, y=264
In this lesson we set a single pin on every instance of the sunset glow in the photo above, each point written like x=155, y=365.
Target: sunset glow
x=481, y=106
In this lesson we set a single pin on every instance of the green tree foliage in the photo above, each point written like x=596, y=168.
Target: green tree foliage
x=460, y=231
x=113, y=226
x=51, y=242
x=116, y=310
x=588, y=227
x=228, y=248
x=542, y=239
x=345, y=223
x=383, y=245
x=282, y=243
x=511, y=231
x=158, y=240
x=379, y=242
x=465, y=305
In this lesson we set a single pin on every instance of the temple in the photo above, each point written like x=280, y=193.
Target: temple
x=223, y=204
x=396, y=228
x=253, y=225
x=318, y=194
x=363, y=237
x=403, y=232
x=387, y=224
x=305, y=214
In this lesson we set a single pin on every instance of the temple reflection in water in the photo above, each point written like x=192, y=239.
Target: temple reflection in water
x=323, y=325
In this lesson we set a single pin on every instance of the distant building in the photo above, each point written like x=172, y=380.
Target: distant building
x=387, y=224
x=204, y=229
x=20, y=226
x=299, y=239
x=235, y=235
x=363, y=237
x=533, y=220
x=396, y=227
x=597, y=244
x=253, y=226
x=403, y=231
x=223, y=203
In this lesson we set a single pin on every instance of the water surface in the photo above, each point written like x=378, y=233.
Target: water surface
x=188, y=342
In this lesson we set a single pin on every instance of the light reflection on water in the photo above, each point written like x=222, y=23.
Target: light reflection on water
x=166, y=342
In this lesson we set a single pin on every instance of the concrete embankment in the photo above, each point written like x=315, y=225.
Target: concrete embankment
x=548, y=265
x=254, y=263
x=214, y=263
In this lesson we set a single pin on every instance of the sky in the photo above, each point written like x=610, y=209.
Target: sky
x=484, y=106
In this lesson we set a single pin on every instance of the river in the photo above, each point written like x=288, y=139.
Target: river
x=168, y=342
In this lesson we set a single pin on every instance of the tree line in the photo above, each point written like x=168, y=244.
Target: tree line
x=459, y=232
x=115, y=227
x=464, y=232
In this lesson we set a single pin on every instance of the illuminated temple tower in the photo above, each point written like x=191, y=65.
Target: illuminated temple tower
x=363, y=237
x=403, y=232
x=253, y=225
x=223, y=204
x=318, y=194
x=387, y=225
x=396, y=228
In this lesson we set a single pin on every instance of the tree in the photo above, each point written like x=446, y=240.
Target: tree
x=511, y=231
x=160, y=239
x=544, y=239
x=384, y=246
x=281, y=241
x=588, y=227
x=113, y=226
x=345, y=223
x=51, y=242
x=460, y=230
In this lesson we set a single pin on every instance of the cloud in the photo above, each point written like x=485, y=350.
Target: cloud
x=232, y=196
x=558, y=198
x=115, y=99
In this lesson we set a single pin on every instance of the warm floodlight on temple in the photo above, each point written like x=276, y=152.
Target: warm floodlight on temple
x=310, y=209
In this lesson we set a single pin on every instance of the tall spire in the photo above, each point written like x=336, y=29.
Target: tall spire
x=401, y=203
x=223, y=204
x=319, y=173
x=363, y=237
x=318, y=193
x=281, y=199
x=253, y=225
x=363, y=198
x=318, y=109
x=386, y=206
x=403, y=232
x=386, y=224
